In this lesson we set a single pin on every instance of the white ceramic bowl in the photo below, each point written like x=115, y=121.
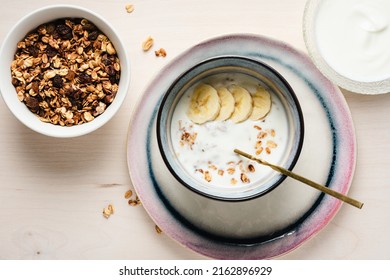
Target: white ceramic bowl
x=7, y=52
x=311, y=14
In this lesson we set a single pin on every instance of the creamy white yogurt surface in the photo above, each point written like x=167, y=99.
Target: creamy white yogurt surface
x=214, y=142
x=353, y=37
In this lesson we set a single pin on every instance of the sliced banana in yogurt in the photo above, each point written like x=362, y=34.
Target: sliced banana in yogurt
x=261, y=104
x=243, y=104
x=204, y=105
x=233, y=103
x=227, y=104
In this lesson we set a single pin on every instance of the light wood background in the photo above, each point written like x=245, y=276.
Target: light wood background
x=52, y=191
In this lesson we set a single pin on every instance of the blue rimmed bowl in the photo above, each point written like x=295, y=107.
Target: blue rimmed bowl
x=236, y=70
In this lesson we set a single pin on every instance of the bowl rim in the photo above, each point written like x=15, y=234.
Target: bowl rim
x=301, y=129
x=308, y=27
x=49, y=129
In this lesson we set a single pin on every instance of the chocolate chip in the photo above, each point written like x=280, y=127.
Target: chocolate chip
x=84, y=78
x=92, y=36
x=32, y=102
x=50, y=51
x=64, y=31
x=89, y=26
x=15, y=82
x=32, y=50
x=50, y=28
x=57, y=81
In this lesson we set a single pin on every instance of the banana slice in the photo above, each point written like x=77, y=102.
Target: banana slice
x=261, y=104
x=227, y=104
x=204, y=104
x=243, y=104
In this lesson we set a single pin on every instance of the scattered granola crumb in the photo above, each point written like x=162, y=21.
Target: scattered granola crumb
x=258, y=144
x=207, y=176
x=244, y=178
x=231, y=170
x=161, y=52
x=268, y=150
x=129, y=8
x=271, y=144
x=128, y=194
x=158, y=229
x=251, y=168
x=241, y=167
x=261, y=135
x=108, y=211
x=221, y=172
x=134, y=202
x=131, y=201
x=259, y=151
x=213, y=167
x=111, y=208
x=233, y=181
x=147, y=44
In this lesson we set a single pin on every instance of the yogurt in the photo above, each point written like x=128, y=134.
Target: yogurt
x=206, y=153
x=353, y=37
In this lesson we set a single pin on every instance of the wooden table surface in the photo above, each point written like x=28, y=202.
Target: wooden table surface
x=52, y=191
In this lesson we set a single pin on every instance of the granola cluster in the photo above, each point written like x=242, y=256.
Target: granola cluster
x=132, y=201
x=232, y=168
x=66, y=71
x=261, y=137
x=187, y=136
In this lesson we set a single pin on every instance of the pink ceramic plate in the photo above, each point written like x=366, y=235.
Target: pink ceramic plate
x=267, y=226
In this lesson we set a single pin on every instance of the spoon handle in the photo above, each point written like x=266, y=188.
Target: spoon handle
x=304, y=180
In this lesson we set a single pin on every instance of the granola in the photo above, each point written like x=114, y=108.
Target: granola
x=66, y=71
x=147, y=44
x=237, y=171
x=160, y=52
x=158, y=229
x=108, y=211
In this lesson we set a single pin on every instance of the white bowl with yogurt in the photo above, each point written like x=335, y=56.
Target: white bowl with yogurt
x=201, y=156
x=349, y=42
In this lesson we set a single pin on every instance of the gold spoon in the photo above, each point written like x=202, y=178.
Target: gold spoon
x=288, y=173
